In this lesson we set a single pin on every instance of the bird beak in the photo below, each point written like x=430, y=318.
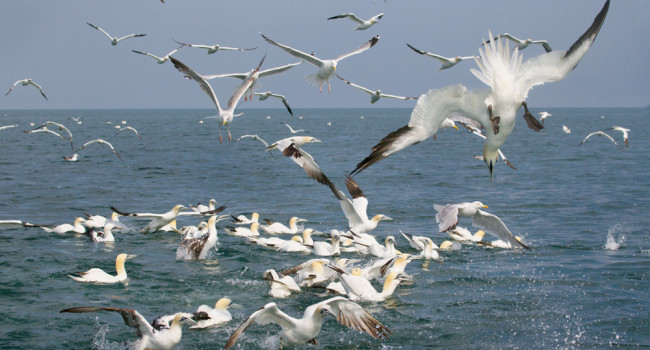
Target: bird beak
x=131, y=256
x=301, y=220
x=224, y=122
x=455, y=127
x=485, y=206
x=386, y=218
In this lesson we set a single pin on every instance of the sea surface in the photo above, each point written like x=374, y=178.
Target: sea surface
x=572, y=290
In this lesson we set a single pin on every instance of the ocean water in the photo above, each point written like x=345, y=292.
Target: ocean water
x=583, y=210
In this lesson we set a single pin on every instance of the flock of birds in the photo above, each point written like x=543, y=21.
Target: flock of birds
x=488, y=113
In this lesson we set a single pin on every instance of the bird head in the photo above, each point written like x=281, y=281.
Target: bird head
x=223, y=304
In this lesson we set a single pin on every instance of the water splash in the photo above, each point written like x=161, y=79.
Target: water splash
x=615, y=237
x=101, y=343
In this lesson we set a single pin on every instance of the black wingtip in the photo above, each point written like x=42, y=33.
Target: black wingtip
x=593, y=30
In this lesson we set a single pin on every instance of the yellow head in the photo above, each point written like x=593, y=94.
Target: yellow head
x=479, y=234
x=355, y=272
x=223, y=304
x=78, y=220
x=296, y=239
x=446, y=245
x=255, y=217
x=317, y=266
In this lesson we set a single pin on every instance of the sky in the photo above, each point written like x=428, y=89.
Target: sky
x=78, y=68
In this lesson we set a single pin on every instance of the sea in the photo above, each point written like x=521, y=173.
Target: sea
x=583, y=210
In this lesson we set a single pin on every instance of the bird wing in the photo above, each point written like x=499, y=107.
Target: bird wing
x=284, y=101
x=276, y=70
x=147, y=54
x=12, y=87
x=235, y=48
x=255, y=137
x=492, y=224
x=241, y=90
x=398, y=97
x=426, y=53
x=131, y=317
x=131, y=36
x=447, y=216
x=356, y=86
x=101, y=30
x=269, y=313
x=351, y=16
x=296, y=53
x=359, y=200
x=352, y=315
x=370, y=43
x=241, y=76
x=198, y=79
x=306, y=161
x=544, y=43
x=39, y=88
x=600, y=133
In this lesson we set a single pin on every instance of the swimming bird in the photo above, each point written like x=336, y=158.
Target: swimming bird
x=307, y=328
x=384, y=251
x=361, y=24
x=478, y=132
x=198, y=248
x=101, y=142
x=544, y=115
x=130, y=128
x=522, y=44
x=150, y=337
x=264, y=95
x=276, y=228
x=214, y=48
x=311, y=273
x=509, y=81
x=358, y=288
x=225, y=115
x=96, y=275
x=462, y=234
x=243, y=220
x=499, y=243
x=217, y=315
x=295, y=244
x=200, y=208
x=327, y=249
x=625, y=132
x=76, y=227
x=115, y=40
x=447, y=62
x=447, y=218
x=26, y=82
x=244, y=231
x=598, y=133
x=160, y=220
x=294, y=131
x=290, y=147
x=566, y=129
x=325, y=67
x=105, y=235
x=73, y=158
x=376, y=94
x=428, y=249
x=159, y=60
x=281, y=287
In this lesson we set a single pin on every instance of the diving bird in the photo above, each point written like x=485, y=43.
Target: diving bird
x=325, y=67
x=361, y=24
x=509, y=81
x=292, y=130
x=159, y=60
x=264, y=95
x=447, y=62
x=129, y=128
x=217, y=315
x=214, y=48
x=96, y=275
x=306, y=329
x=26, y=82
x=225, y=115
x=522, y=44
x=101, y=142
x=155, y=336
x=478, y=132
x=544, y=115
x=598, y=133
x=376, y=94
x=290, y=147
x=447, y=219
x=115, y=40
x=625, y=132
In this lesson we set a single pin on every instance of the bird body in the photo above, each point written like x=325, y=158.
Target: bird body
x=76, y=227
x=217, y=315
x=162, y=220
x=447, y=62
x=96, y=275
x=198, y=248
x=277, y=228
x=361, y=24
x=25, y=82
x=114, y=40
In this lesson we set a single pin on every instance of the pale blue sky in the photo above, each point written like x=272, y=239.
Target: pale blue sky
x=50, y=42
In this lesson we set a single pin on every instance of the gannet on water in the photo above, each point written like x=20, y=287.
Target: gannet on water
x=26, y=82
x=499, y=243
x=95, y=221
x=281, y=287
x=447, y=62
x=276, y=228
x=358, y=288
x=325, y=67
x=327, y=249
x=243, y=220
x=306, y=329
x=244, y=231
x=625, y=132
x=162, y=219
x=598, y=133
x=96, y=275
x=295, y=244
x=266, y=94
x=214, y=48
x=200, y=208
x=218, y=315
x=198, y=248
x=361, y=23
x=76, y=227
x=115, y=40
x=159, y=60
x=150, y=336
x=384, y=251
x=462, y=234
x=105, y=235
x=375, y=95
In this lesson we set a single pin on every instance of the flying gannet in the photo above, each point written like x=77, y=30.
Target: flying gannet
x=447, y=62
x=598, y=133
x=266, y=94
x=214, y=48
x=522, y=44
x=26, y=82
x=543, y=115
x=292, y=130
x=159, y=60
x=96, y=275
x=115, y=40
x=375, y=95
x=101, y=142
x=130, y=128
x=361, y=24
x=625, y=132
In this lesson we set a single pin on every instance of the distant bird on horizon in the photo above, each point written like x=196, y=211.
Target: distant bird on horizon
x=159, y=60
x=115, y=40
x=598, y=133
x=26, y=82
x=376, y=94
x=624, y=131
x=447, y=62
x=4, y=127
x=214, y=48
x=566, y=129
x=362, y=24
x=544, y=115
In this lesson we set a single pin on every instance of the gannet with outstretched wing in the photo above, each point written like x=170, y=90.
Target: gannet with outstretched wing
x=115, y=40
x=376, y=94
x=264, y=95
x=26, y=82
x=159, y=60
x=625, y=132
x=447, y=62
x=362, y=24
x=214, y=48
x=598, y=133
x=101, y=142
x=523, y=43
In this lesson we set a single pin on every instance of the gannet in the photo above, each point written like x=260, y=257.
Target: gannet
x=76, y=227
x=95, y=221
x=566, y=129
x=509, y=81
x=218, y=315
x=60, y=127
x=312, y=272
x=26, y=82
x=397, y=264
x=384, y=251
x=200, y=208
x=243, y=231
x=198, y=248
x=281, y=287
x=292, y=130
x=462, y=234
x=4, y=127
x=46, y=130
x=522, y=44
x=295, y=244
x=543, y=115
x=105, y=235
x=73, y=158
x=96, y=275
x=325, y=67
x=327, y=249
x=290, y=147
x=266, y=94
x=14, y=223
x=101, y=142
x=276, y=228
x=447, y=62
x=150, y=336
x=447, y=218
x=214, y=48
x=130, y=128
x=598, y=133
x=359, y=288
x=225, y=115
x=476, y=131
x=625, y=132
x=192, y=231
x=243, y=220
x=499, y=243
x=375, y=95
x=306, y=329
x=159, y=60
x=115, y=40
x=361, y=24
x=162, y=220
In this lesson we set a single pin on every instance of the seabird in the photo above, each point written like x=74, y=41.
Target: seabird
x=509, y=80
x=624, y=131
x=243, y=220
x=447, y=62
x=306, y=329
x=198, y=248
x=544, y=115
x=76, y=227
x=26, y=82
x=60, y=127
x=428, y=249
x=217, y=315
x=478, y=132
x=105, y=235
x=362, y=24
x=96, y=275
x=115, y=40
x=311, y=273
x=522, y=44
x=462, y=234
x=276, y=228
x=384, y=251
x=325, y=67
x=375, y=95
x=294, y=131
x=159, y=60
x=358, y=288
x=200, y=208
x=327, y=249
x=598, y=133
x=46, y=130
x=281, y=287
x=214, y=48
x=447, y=218
x=244, y=231
x=264, y=95
x=566, y=129
x=290, y=147
x=101, y=142
x=130, y=128
x=4, y=127
x=73, y=158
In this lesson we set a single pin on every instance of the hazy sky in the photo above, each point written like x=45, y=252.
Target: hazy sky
x=50, y=42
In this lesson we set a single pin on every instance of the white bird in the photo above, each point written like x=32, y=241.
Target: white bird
x=161, y=220
x=306, y=329
x=218, y=315
x=46, y=130
x=26, y=82
x=115, y=40
x=19, y=223
x=76, y=227
x=447, y=62
x=293, y=131
x=200, y=208
x=106, y=235
x=214, y=48
x=4, y=127
x=499, y=243
x=101, y=142
x=544, y=115
x=96, y=275
x=290, y=147
x=522, y=44
x=327, y=249
x=312, y=273
x=264, y=95
x=281, y=287
x=384, y=251
x=295, y=244
x=59, y=127
x=225, y=115
x=566, y=129
x=481, y=134
x=509, y=80
x=462, y=234
x=244, y=231
x=325, y=67
x=243, y=220
x=598, y=133
x=362, y=24
x=198, y=248
x=95, y=221
x=159, y=60
x=277, y=228
x=130, y=128
x=447, y=218
x=163, y=338
x=624, y=131
x=375, y=95
x=358, y=288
